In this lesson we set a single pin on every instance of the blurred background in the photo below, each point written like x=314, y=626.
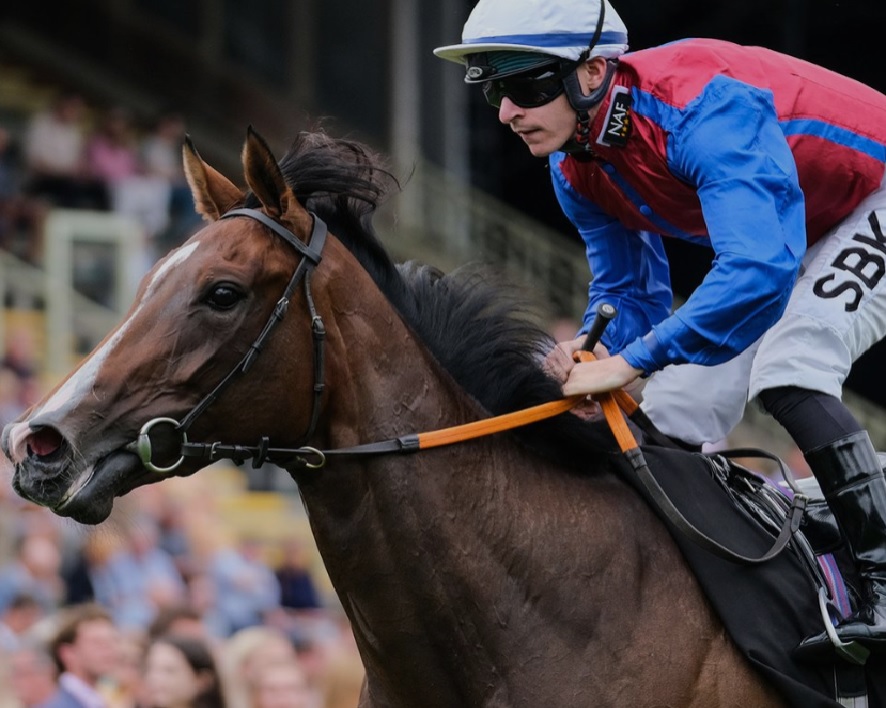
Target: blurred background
x=95, y=98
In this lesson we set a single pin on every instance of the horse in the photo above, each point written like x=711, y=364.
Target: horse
x=516, y=569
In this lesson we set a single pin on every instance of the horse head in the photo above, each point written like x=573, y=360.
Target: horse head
x=190, y=327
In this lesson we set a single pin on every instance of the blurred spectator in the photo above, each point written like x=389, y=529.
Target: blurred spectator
x=78, y=564
x=161, y=151
x=21, y=218
x=282, y=686
x=85, y=649
x=244, y=653
x=20, y=518
x=22, y=613
x=33, y=676
x=113, y=156
x=237, y=588
x=10, y=166
x=138, y=578
x=327, y=654
x=7, y=697
x=19, y=382
x=55, y=157
x=111, y=149
x=297, y=590
x=20, y=354
x=17, y=394
x=180, y=620
x=170, y=514
x=342, y=680
x=35, y=571
x=126, y=687
x=10, y=396
x=180, y=672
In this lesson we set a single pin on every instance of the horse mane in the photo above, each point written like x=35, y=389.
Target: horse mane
x=480, y=328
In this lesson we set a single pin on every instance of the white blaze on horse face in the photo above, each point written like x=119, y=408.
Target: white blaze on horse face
x=81, y=383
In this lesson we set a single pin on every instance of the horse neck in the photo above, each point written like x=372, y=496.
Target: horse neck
x=383, y=383
x=416, y=544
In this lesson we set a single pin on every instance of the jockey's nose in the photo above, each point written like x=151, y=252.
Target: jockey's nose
x=508, y=110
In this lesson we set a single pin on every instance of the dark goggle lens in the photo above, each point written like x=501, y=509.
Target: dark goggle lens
x=524, y=92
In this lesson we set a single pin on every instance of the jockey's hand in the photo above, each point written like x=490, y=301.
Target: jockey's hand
x=559, y=362
x=599, y=376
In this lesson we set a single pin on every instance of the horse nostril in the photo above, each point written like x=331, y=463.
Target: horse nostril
x=44, y=442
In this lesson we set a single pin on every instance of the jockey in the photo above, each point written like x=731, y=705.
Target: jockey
x=774, y=163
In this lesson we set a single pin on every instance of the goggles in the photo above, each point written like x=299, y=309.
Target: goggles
x=531, y=89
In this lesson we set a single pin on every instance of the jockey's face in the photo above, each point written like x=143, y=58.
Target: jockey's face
x=546, y=128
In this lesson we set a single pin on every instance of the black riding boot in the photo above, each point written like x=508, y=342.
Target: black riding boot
x=850, y=476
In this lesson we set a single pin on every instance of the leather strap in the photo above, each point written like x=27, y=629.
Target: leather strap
x=612, y=404
x=289, y=457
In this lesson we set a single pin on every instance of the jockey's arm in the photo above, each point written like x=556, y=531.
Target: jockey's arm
x=734, y=152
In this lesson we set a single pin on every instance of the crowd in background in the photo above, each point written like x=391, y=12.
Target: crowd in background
x=73, y=155
x=164, y=604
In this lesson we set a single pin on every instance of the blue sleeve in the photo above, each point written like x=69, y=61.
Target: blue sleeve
x=629, y=269
x=731, y=148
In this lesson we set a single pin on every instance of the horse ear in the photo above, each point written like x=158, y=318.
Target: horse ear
x=214, y=194
x=265, y=179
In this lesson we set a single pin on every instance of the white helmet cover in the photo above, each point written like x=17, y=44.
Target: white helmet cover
x=561, y=28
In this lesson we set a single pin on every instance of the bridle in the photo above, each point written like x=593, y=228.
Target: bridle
x=312, y=255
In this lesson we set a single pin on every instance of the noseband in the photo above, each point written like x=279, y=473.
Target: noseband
x=312, y=255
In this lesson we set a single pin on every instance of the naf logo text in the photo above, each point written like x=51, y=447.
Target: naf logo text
x=856, y=269
x=617, y=127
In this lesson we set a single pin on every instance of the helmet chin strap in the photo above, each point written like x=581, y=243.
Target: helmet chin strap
x=581, y=141
x=582, y=103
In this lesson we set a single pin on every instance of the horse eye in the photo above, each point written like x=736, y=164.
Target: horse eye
x=223, y=296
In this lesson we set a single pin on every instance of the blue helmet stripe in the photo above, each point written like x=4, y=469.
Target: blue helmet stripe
x=564, y=39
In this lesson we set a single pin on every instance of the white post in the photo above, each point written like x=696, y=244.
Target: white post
x=405, y=103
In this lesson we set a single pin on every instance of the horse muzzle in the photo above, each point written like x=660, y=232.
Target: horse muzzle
x=49, y=472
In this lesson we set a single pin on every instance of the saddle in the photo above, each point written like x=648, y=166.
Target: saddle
x=767, y=607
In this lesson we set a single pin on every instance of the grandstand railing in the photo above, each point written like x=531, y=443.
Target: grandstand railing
x=92, y=269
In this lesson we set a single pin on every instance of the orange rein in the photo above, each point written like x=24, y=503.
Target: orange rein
x=612, y=403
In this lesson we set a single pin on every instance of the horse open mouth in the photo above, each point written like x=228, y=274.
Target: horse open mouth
x=52, y=475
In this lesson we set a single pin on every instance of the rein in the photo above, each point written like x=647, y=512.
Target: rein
x=613, y=403
x=312, y=458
